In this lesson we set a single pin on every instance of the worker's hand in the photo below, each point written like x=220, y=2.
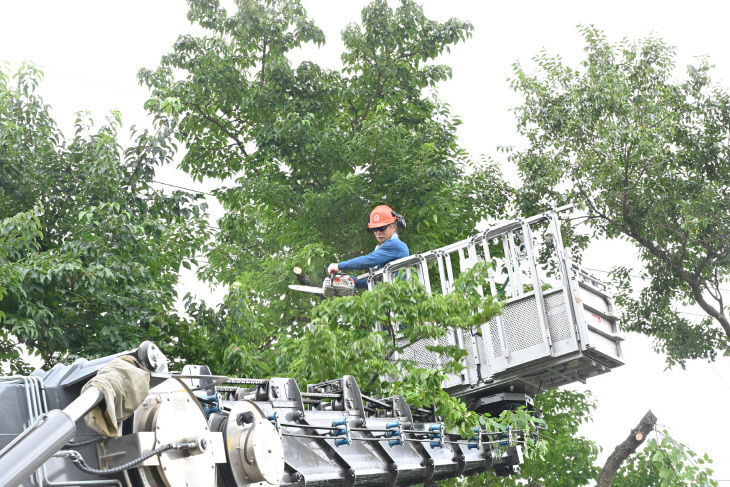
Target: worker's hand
x=332, y=268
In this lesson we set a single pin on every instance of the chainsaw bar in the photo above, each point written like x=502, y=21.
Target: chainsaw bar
x=306, y=289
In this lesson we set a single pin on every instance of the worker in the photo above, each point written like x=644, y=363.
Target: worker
x=384, y=224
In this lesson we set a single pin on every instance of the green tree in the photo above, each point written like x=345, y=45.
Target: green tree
x=568, y=460
x=665, y=462
x=312, y=150
x=647, y=157
x=89, y=251
x=565, y=459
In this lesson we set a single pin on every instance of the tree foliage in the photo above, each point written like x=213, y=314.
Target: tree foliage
x=567, y=459
x=665, y=462
x=647, y=156
x=89, y=251
x=312, y=150
x=564, y=459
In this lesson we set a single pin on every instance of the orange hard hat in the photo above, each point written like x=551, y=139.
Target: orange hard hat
x=381, y=215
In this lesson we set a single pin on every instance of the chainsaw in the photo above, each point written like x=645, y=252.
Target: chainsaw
x=336, y=284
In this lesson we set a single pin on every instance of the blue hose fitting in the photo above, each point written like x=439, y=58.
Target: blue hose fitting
x=437, y=433
x=210, y=404
x=274, y=418
x=343, y=429
x=474, y=440
x=396, y=442
x=507, y=442
x=395, y=431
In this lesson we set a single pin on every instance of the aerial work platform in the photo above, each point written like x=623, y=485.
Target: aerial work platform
x=557, y=326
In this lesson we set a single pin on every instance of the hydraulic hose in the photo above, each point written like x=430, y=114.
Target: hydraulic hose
x=81, y=464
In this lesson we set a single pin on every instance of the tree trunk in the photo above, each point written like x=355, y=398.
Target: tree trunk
x=626, y=448
x=304, y=279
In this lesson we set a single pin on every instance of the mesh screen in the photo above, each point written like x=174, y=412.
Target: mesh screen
x=418, y=353
x=558, y=323
x=521, y=328
x=470, y=362
x=496, y=342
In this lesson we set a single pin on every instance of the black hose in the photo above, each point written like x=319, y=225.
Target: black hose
x=81, y=464
x=72, y=444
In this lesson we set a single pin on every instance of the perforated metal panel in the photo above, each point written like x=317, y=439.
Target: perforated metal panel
x=418, y=353
x=496, y=339
x=521, y=325
x=559, y=325
x=468, y=346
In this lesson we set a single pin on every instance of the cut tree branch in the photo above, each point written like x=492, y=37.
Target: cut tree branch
x=304, y=279
x=626, y=448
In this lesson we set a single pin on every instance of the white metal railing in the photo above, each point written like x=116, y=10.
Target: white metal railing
x=543, y=318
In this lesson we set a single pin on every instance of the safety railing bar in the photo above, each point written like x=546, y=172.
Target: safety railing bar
x=424, y=276
x=449, y=272
x=566, y=275
x=480, y=355
x=496, y=230
x=510, y=268
x=489, y=346
x=415, y=259
x=537, y=287
x=442, y=274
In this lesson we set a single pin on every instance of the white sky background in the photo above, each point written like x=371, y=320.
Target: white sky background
x=92, y=50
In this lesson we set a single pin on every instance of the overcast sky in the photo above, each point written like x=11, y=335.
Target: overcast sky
x=92, y=50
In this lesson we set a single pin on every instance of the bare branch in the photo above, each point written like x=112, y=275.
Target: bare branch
x=626, y=448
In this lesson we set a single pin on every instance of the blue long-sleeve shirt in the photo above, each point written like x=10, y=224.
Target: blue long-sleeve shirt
x=390, y=250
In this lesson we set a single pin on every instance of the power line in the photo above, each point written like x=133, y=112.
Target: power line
x=608, y=272
x=720, y=376
x=184, y=188
x=93, y=82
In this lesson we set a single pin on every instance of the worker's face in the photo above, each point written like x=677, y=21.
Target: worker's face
x=384, y=233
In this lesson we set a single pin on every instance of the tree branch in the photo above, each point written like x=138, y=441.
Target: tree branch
x=263, y=64
x=353, y=122
x=304, y=279
x=378, y=87
x=625, y=449
x=218, y=124
x=625, y=193
x=692, y=281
